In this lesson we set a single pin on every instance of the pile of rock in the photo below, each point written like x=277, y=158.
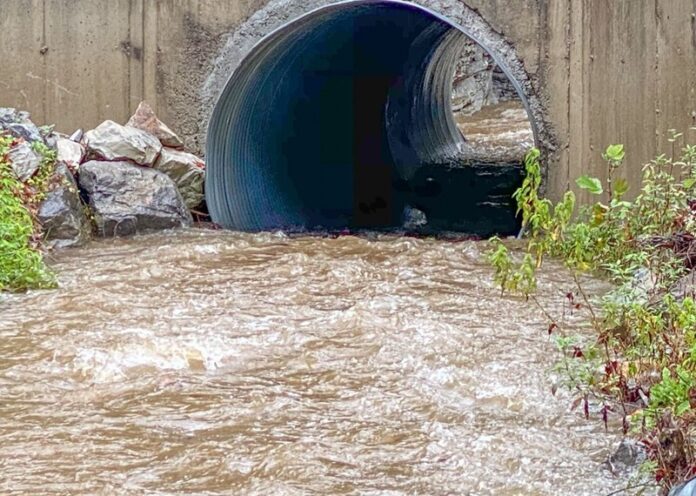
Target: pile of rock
x=114, y=180
x=479, y=81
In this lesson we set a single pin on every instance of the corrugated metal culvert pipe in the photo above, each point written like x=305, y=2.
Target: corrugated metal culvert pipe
x=328, y=121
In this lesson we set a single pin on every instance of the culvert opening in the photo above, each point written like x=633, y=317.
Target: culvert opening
x=344, y=119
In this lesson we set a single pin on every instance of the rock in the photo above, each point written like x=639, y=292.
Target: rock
x=641, y=288
x=61, y=213
x=187, y=171
x=69, y=153
x=146, y=120
x=628, y=457
x=685, y=287
x=413, y=219
x=126, y=199
x=19, y=125
x=25, y=161
x=686, y=489
x=77, y=135
x=112, y=141
x=46, y=131
x=478, y=81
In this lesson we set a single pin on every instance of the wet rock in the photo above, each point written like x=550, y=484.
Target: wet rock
x=61, y=214
x=69, y=153
x=686, y=489
x=413, y=219
x=19, y=125
x=146, y=120
x=77, y=135
x=478, y=81
x=126, y=199
x=112, y=141
x=628, y=457
x=46, y=131
x=685, y=287
x=25, y=161
x=644, y=288
x=187, y=171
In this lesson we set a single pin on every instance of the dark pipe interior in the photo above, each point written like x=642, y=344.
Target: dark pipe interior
x=332, y=122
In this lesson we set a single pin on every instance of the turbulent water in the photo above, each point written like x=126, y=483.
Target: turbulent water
x=500, y=132
x=214, y=363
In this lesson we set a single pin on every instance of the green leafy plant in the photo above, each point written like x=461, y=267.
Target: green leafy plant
x=642, y=363
x=21, y=263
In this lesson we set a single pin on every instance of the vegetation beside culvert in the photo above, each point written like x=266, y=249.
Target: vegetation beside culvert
x=641, y=366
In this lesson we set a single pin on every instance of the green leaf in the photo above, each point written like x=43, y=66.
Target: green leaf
x=615, y=153
x=689, y=183
x=620, y=187
x=591, y=184
x=599, y=212
x=683, y=407
x=666, y=374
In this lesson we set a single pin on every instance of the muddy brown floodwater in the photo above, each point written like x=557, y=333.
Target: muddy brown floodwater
x=497, y=133
x=206, y=363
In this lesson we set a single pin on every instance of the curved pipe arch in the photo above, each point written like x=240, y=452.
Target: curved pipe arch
x=329, y=114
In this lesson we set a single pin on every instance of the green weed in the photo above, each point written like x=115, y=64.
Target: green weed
x=642, y=364
x=21, y=263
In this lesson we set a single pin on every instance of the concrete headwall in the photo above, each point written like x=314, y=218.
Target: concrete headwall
x=76, y=63
x=602, y=71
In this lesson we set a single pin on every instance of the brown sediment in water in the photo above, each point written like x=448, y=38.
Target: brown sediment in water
x=207, y=362
x=497, y=133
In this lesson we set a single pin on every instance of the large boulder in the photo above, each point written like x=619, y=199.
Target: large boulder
x=112, y=141
x=19, y=125
x=146, y=120
x=187, y=171
x=61, y=213
x=25, y=161
x=126, y=199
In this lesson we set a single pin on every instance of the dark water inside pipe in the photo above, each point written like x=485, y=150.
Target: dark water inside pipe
x=213, y=363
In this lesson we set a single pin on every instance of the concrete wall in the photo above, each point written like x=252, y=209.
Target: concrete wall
x=605, y=71
x=76, y=63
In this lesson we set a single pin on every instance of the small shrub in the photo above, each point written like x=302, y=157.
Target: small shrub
x=642, y=364
x=21, y=262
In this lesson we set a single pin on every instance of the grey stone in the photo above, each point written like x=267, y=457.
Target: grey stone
x=686, y=489
x=19, y=125
x=187, y=171
x=61, y=213
x=685, y=287
x=77, y=135
x=146, y=120
x=70, y=153
x=112, y=141
x=25, y=161
x=627, y=458
x=413, y=219
x=46, y=130
x=478, y=81
x=126, y=199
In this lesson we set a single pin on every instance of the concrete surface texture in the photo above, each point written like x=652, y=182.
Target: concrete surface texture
x=594, y=72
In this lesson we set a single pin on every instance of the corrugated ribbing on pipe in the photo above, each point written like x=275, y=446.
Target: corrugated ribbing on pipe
x=328, y=113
